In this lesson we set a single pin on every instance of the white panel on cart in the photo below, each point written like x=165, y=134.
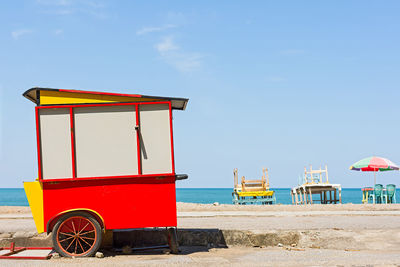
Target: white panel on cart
x=105, y=140
x=55, y=136
x=155, y=139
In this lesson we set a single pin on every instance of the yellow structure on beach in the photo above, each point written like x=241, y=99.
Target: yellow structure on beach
x=252, y=191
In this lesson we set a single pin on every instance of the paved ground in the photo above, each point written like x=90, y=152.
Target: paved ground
x=292, y=222
x=236, y=256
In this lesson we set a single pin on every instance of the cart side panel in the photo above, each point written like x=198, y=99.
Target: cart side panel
x=122, y=203
x=105, y=141
x=155, y=137
x=34, y=194
x=55, y=143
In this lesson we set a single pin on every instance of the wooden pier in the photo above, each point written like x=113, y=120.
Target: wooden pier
x=313, y=184
x=328, y=194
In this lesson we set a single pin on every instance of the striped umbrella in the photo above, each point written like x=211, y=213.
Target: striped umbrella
x=374, y=164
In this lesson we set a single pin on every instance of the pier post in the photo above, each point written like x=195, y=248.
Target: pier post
x=301, y=196
x=291, y=193
x=335, y=195
x=305, y=196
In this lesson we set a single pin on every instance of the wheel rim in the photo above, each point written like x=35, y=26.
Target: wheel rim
x=76, y=236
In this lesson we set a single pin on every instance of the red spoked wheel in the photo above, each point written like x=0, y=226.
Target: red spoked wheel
x=77, y=234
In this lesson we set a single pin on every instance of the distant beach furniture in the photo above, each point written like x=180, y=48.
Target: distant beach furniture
x=374, y=164
x=316, y=182
x=252, y=191
x=377, y=194
x=391, y=193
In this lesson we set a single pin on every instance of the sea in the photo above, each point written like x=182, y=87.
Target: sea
x=17, y=197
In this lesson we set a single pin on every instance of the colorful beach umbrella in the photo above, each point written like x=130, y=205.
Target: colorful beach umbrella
x=374, y=164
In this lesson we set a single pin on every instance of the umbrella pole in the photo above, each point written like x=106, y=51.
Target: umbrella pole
x=374, y=178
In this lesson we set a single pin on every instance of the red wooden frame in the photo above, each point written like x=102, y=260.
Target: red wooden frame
x=104, y=104
x=72, y=129
x=13, y=254
x=73, y=149
x=39, y=148
x=126, y=203
x=97, y=93
x=172, y=138
x=138, y=140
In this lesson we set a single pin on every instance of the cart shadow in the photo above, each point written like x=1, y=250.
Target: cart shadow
x=155, y=241
x=183, y=250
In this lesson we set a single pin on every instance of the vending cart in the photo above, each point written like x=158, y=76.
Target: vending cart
x=105, y=162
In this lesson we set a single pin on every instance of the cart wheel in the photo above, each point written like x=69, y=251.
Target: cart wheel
x=77, y=234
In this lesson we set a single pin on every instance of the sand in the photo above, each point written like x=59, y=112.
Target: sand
x=199, y=256
x=181, y=206
x=316, y=207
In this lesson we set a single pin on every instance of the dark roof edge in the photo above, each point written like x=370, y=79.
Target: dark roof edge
x=26, y=95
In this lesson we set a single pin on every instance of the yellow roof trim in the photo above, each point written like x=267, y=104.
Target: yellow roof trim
x=61, y=98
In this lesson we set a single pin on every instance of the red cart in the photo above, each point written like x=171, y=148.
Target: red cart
x=105, y=161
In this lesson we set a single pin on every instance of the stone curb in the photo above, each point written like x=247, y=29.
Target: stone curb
x=216, y=238
x=186, y=237
x=25, y=239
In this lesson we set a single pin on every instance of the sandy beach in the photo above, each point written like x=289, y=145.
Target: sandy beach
x=279, y=235
x=278, y=207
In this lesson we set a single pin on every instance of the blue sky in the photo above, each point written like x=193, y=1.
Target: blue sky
x=277, y=84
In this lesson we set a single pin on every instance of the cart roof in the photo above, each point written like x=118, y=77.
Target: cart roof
x=50, y=96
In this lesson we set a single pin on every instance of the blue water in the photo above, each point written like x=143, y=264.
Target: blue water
x=17, y=197
x=224, y=195
x=13, y=197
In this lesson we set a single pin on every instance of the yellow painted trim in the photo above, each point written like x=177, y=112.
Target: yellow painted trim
x=59, y=98
x=256, y=194
x=34, y=193
x=83, y=209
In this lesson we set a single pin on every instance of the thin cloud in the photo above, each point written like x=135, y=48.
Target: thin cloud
x=174, y=56
x=275, y=79
x=69, y=7
x=59, y=12
x=59, y=32
x=54, y=2
x=185, y=62
x=95, y=4
x=18, y=33
x=167, y=44
x=176, y=18
x=146, y=30
x=292, y=52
